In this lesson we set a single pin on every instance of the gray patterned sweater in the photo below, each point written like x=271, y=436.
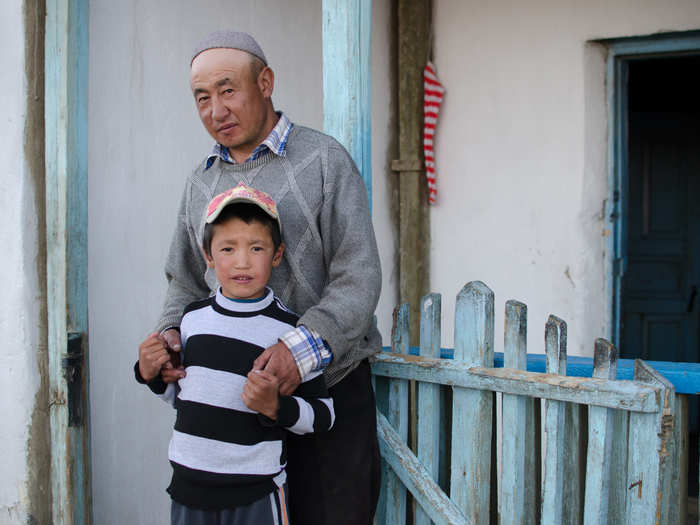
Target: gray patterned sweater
x=330, y=274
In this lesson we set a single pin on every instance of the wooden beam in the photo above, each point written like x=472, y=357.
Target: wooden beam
x=685, y=377
x=414, y=229
x=626, y=395
x=66, y=63
x=347, y=27
x=416, y=478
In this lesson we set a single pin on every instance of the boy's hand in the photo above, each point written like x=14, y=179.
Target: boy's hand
x=261, y=393
x=152, y=356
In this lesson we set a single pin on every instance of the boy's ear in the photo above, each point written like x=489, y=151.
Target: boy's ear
x=209, y=259
x=277, y=258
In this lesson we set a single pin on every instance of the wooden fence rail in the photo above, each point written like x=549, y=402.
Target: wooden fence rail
x=613, y=449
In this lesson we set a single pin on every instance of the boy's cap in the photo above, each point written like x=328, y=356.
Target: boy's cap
x=229, y=39
x=242, y=193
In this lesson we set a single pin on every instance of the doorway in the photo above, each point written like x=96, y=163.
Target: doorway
x=660, y=315
x=659, y=293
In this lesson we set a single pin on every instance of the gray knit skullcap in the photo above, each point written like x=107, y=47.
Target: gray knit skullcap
x=229, y=39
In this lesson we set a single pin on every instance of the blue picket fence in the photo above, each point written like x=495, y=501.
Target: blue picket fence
x=615, y=450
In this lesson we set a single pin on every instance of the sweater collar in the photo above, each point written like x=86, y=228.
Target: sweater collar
x=244, y=306
x=275, y=142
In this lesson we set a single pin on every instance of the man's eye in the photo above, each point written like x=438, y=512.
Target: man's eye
x=201, y=100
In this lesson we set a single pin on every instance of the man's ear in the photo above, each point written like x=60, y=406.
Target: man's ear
x=277, y=258
x=266, y=81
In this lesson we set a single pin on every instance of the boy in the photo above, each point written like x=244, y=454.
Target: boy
x=228, y=445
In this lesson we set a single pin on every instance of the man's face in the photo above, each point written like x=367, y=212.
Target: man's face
x=233, y=103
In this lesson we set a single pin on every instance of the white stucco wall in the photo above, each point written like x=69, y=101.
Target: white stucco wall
x=19, y=312
x=522, y=154
x=383, y=129
x=145, y=137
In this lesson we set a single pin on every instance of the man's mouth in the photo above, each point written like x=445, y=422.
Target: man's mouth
x=227, y=127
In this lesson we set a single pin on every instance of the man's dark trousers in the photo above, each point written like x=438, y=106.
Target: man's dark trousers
x=334, y=477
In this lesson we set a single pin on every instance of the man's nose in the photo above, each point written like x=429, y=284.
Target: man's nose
x=219, y=111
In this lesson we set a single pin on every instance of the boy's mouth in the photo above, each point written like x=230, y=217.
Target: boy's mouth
x=242, y=278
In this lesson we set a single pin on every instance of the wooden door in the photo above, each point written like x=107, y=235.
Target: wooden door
x=660, y=287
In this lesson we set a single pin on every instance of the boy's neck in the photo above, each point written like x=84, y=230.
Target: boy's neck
x=239, y=300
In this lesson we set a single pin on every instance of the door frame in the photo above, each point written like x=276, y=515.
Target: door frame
x=66, y=102
x=622, y=51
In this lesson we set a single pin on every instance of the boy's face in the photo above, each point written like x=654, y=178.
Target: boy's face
x=243, y=256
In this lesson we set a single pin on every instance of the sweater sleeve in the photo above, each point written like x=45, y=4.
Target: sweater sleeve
x=344, y=314
x=309, y=409
x=184, y=269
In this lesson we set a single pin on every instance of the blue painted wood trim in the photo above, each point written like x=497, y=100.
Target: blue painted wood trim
x=66, y=95
x=638, y=47
x=685, y=377
x=620, y=52
x=347, y=26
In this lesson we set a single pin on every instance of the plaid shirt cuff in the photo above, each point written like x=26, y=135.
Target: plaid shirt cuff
x=308, y=349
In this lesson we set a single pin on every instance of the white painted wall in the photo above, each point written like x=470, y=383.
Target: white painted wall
x=522, y=153
x=145, y=137
x=19, y=308
x=383, y=128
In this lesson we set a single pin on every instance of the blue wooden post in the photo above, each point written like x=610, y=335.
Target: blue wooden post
x=470, y=482
x=648, y=464
x=516, y=507
x=600, y=440
x=66, y=63
x=398, y=417
x=429, y=394
x=553, y=491
x=347, y=80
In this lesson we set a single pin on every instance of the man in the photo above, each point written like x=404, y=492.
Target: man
x=330, y=274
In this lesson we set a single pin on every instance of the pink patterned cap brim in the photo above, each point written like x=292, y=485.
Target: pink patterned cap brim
x=242, y=193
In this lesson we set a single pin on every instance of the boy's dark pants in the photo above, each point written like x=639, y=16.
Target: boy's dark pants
x=334, y=477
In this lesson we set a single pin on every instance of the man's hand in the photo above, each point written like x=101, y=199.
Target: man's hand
x=278, y=360
x=261, y=393
x=152, y=356
x=172, y=371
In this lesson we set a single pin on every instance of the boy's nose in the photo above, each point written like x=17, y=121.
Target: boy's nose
x=242, y=260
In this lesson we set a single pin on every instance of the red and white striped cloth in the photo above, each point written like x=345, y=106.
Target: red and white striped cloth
x=432, y=98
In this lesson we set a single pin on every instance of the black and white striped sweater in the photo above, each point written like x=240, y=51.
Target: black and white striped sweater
x=224, y=454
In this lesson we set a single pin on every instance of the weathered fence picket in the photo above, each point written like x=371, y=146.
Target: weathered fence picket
x=648, y=463
x=428, y=438
x=600, y=440
x=614, y=449
x=470, y=482
x=517, y=503
x=398, y=417
x=553, y=490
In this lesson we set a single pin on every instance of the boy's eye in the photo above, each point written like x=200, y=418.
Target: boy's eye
x=257, y=248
